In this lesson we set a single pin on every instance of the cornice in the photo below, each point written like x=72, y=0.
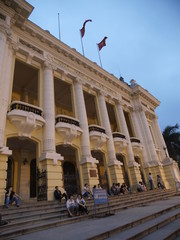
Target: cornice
x=139, y=91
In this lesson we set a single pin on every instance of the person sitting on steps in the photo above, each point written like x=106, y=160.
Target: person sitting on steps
x=71, y=206
x=86, y=191
x=82, y=208
x=58, y=195
x=11, y=197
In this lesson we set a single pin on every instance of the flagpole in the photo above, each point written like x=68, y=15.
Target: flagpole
x=59, y=27
x=82, y=43
x=99, y=55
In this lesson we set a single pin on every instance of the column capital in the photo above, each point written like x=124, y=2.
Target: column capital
x=78, y=80
x=138, y=109
x=49, y=65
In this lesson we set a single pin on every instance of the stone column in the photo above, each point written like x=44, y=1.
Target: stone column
x=133, y=167
x=140, y=136
x=159, y=138
x=88, y=163
x=50, y=160
x=148, y=138
x=113, y=163
x=6, y=65
x=149, y=153
x=125, y=132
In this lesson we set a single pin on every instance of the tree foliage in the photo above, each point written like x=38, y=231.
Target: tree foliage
x=172, y=139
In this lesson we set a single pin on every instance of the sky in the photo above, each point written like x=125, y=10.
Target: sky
x=143, y=41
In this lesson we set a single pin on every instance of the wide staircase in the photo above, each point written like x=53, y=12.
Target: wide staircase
x=34, y=216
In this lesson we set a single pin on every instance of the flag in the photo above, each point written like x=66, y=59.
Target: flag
x=82, y=30
x=102, y=43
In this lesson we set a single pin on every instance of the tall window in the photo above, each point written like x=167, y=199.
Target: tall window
x=129, y=124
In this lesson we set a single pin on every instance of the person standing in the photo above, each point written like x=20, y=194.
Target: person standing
x=150, y=181
x=159, y=182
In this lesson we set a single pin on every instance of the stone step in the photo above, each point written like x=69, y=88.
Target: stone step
x=21, y=224
x=139, y=231
x=170, y=231
x=30, y=204
x=61, y=209
x=36, y=207
x=27, y=226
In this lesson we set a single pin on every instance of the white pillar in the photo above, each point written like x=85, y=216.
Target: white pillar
x=49, y=149
x=107, y=126
x=140, y=136
x=159, y=138
x=147, y=137
x=130, y=155
x=82, y=116
x=6, y=70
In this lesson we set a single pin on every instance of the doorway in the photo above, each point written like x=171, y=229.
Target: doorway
x=33, y=178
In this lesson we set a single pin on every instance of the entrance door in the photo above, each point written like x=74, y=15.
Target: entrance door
x=33, y=178
x=101, y=168
x=69, y=172
x=120, y=157
x=10, y=172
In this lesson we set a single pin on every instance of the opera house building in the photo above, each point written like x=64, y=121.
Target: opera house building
x=65, y=121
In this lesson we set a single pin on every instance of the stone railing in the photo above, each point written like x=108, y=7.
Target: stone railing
x=96, y=128
x=67, y=119
x=18, y=105
x=118, y=135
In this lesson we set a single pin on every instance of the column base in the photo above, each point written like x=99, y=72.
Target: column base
x=89, y=173
x=134, y=176
x=171, y=173
x=4, y=153
x=54, y=172
x=116, y=174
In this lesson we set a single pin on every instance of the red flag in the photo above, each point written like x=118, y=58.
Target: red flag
x=82, y=30
x=102, y=43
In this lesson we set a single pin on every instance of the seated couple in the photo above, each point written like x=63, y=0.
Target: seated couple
x=75, y=207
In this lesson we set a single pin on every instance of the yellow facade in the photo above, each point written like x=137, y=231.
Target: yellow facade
x=65, y=115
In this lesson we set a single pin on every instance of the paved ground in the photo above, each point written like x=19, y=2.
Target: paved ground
x=89, y=228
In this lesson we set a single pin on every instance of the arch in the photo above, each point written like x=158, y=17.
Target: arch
x=69, y=177
x=138, y=160
x=23, y=151
x=70, y=168
x=101, y=166
x=33, y=178
x=120, y=157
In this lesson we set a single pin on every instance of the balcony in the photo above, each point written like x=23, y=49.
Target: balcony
x=98, y=136
x=68, y=128
x=120, y=142
x=25, y=117
x=136, y=145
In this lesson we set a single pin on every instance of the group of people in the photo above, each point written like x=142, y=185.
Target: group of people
x=118, y=189
x=141, y=186
x=74, y=207
x=79, y=205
